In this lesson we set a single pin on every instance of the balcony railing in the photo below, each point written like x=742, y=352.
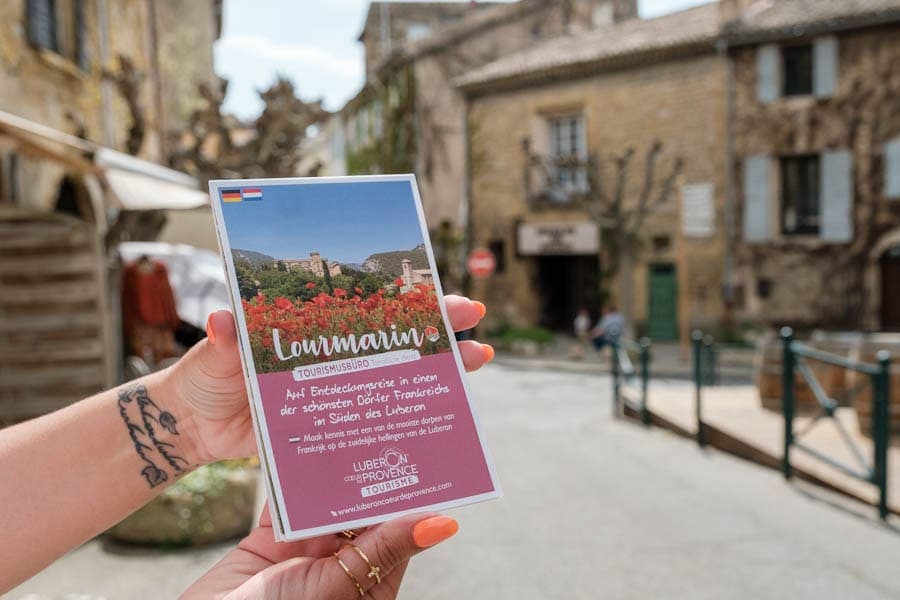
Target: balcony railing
x=556, y=180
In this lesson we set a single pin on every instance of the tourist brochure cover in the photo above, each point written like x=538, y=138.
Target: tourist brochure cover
x=355, y=381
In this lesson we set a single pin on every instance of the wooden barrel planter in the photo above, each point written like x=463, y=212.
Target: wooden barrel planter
x=865, y=352
x=769, y=363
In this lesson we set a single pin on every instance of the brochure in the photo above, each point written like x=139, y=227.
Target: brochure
x=355, y=381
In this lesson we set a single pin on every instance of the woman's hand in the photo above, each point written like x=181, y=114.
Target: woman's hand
x=261, y=569
x=213, y=388
x=209, y=393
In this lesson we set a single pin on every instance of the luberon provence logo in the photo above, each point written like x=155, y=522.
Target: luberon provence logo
x=389, y=471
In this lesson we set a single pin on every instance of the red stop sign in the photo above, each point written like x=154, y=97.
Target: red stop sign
x=481, y=263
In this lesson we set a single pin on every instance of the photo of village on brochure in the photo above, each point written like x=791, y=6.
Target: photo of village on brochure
x=316, y=286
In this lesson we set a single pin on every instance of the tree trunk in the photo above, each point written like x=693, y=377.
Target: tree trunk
x=626, y=287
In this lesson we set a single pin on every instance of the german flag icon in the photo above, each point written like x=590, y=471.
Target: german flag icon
x=231, y=196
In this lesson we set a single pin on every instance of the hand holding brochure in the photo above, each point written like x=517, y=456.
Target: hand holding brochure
x=354, y=378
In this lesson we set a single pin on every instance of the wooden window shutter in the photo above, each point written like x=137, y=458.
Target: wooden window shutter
x=757, y=186
x=768, y=72
x=82, y=55
x=892, y=168
x=41, y=16
x=825, y=66
x=836, y=189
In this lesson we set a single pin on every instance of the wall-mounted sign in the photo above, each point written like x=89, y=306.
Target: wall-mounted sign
x=481, y=263
x=558, y=238
x=698, y=216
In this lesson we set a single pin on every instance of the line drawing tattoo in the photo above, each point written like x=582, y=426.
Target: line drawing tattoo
x=137, y=394
x=164, y=419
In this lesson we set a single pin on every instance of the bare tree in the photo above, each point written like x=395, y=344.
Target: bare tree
x=621, y=215
x=219, y=145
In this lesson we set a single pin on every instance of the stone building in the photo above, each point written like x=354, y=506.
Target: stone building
x=89, y=92
x=389, y=26
x=313, y=264
x=816, y=162
x=121, y=74
x=412, y=277
x=410, y=118
x=552, y=126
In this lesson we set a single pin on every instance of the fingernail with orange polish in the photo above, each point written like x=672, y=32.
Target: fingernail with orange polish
x=488, y=352
x=210, y=333
x=434, y=530
x=482, y=309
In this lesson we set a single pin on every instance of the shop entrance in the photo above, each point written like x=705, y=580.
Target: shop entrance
x=565, y=285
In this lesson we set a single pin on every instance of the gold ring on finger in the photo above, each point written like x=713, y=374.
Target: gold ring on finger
x=352, y=577
x=374, y=570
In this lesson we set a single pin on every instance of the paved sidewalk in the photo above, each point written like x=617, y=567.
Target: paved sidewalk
x=737, y=412
x=668, y=359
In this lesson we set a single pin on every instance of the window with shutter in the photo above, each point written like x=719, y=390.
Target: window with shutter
x=800, y=195
x=892, y=168
x=825, y=66
x=41, y=16
x=82, y=56
x=837, y=196
x=756, y=198
x=768, y=73
x=60, y=26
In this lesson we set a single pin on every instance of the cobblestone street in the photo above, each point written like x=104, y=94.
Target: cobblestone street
x=594, y=508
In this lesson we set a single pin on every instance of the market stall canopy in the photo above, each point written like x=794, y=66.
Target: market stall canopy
x=141, y=185
x=133, y=183
x=45, y=142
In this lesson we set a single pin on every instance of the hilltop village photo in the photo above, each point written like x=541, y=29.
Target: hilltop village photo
x=358, y=281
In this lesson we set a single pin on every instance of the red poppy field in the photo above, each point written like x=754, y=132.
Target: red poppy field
x=340, y=314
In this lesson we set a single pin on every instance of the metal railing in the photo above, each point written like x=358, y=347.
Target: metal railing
x=630, y=384
x=794, y=361
x=705, y=373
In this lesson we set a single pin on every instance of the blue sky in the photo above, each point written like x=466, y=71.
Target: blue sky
x=344, y=222
x=314, y=44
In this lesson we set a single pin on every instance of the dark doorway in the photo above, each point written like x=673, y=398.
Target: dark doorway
x=890, y=290
x=567, y=284
x=72, y=200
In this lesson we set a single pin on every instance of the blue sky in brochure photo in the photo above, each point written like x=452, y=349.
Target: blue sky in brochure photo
x=312, y=43
x=352, y=220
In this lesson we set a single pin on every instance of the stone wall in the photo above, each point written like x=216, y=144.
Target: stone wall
x=186, y=32
x=46, y=87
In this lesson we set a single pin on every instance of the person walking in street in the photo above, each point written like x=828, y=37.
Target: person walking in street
x=581, y=325
x=609, y=329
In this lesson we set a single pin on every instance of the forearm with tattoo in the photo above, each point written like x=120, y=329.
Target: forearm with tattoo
x=139, y=412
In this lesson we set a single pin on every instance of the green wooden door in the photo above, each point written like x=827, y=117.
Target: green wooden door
x=662, y=298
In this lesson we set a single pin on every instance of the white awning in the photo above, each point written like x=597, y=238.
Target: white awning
x=141, y=185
